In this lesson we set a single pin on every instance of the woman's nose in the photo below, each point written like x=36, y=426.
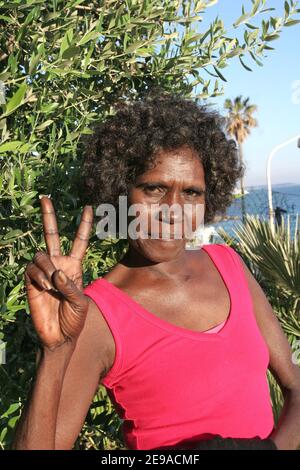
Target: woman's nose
x=171, y=208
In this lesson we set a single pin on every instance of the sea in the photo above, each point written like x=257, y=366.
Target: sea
x=285, y=196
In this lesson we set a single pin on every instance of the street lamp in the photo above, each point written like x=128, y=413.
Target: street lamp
x=278, y=147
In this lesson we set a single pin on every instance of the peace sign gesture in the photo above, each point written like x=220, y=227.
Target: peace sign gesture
x=54, y=282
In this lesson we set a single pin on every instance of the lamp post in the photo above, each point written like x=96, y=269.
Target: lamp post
x=278, y=147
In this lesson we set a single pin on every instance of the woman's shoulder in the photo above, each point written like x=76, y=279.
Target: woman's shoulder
x=100, y=333
x=218, y=246
x=223, y=248
x=226, y=254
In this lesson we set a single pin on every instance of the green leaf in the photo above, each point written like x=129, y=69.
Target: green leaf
x=35, y=59
x=10, y=146
x=27, y=209
x=271, y=37
x=12, y=234
x=287, y=8
x=14, y=407
x=26, y=148
x=210, y=3
x=3, y=434
x=12, y=422
x=47, y=108
x=251, y=26
x=4, y=76
x=134, y=47
x=16, y=100
x=235, y=51
x=244, y=65
x=13, y=296
x=7, y=19
x=219, y=74
x=267, y=9
x=291, y=22
x=268, y=48
x=256, y=6
x=88, y=37
x=240, y=20
x=31, y=15
x=66, y=42
x=28, y=197
x=275, y=22
x=43, y=126
x=71, y=52
x=256, y=59
x=205, y=35
x=144, y=52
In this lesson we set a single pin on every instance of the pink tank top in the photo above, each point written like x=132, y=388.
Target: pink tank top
x=171, y=385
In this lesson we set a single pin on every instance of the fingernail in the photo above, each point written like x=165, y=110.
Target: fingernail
x=47, y=284
x=62, y=276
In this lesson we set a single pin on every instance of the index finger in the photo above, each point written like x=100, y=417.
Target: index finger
x=81, y=240
x=51, y=234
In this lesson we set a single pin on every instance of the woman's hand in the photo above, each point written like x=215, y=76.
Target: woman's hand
x=54, y=282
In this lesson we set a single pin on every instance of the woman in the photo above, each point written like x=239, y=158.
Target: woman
x=181, y=339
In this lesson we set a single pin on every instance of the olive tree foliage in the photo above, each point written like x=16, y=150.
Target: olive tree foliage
x=63, y=65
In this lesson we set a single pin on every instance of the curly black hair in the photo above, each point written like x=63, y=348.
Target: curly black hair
x=124, y=146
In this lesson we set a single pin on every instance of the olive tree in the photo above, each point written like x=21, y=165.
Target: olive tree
x=63, y=65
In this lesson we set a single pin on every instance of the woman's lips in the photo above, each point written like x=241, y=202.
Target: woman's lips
x=157, y=236
x=162, y=237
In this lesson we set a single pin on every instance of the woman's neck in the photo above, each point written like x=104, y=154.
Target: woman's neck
x=170, y=268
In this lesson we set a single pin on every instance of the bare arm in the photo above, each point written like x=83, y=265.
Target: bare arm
x=36, y=428
x=89, y=364
x=59, y=310
x=287, y=434
x=66, y=381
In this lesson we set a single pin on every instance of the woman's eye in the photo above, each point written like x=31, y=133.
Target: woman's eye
x=153, y=189
x=191, y=192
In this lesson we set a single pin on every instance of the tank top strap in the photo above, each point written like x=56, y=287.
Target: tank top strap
x=227, y=261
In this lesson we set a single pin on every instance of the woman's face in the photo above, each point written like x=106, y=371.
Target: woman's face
x=177, y=178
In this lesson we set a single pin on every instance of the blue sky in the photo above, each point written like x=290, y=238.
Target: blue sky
x=275, y=89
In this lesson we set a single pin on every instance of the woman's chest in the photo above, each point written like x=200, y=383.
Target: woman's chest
x=197, y=304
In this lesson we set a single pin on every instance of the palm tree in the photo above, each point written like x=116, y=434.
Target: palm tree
x=240, y=121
